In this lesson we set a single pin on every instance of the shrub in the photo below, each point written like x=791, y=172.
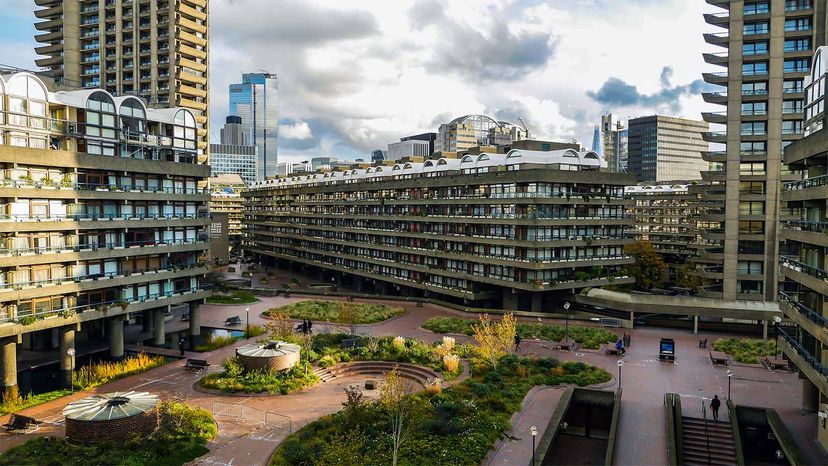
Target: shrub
x=236, y=297
x=215, y=342
x=746, y=350
x=588, y=337
x=332, y=311
x=451, y=363
x=103, y=372
x=398, y=343
x=434, y=386
x=236, y=379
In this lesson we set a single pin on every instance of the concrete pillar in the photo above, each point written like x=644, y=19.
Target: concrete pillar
x=158, y=327
x=537, y=302
x=764, y=329
x=146, y=320
x=630, y=323
x=67, y=362
x=810, y=396
x=695, y=325
x=510, y=300
x=195, y=320
x=116, y=338
x=8, y=368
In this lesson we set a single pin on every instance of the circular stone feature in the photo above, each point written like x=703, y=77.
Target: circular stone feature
x=116, y=416
x=270, y=355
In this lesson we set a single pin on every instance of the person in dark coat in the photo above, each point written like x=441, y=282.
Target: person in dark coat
x=517, y=342
x=182, y=341
x=715, y=403
x=310, y=326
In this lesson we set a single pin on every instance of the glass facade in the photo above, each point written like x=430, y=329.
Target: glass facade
x=255, y=100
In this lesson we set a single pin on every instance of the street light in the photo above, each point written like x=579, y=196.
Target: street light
x=566, y=320
x=247, y=310
x=776, y=321
x=620, y=363
x=71, y=353
x=729, y=377
x=534, y=431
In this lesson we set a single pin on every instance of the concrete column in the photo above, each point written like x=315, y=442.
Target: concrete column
x=537, y=302
x=764, y=329
x=810, y=396
x=695, y=325
x=146, y=320
x=510, y=300
x=630, y=323
x=67, y=362
x=8, y=368
x=195, y=320
x=158, y=327
x=116, y=338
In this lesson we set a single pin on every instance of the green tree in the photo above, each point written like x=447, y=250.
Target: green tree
x=648, y=267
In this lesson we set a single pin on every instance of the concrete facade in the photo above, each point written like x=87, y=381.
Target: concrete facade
x=662, y=148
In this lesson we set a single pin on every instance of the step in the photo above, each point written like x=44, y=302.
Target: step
x=715, y=453
x=698, y=421
x=694, y=458
x=701, y=441
x=711, y=429
x=374, y=368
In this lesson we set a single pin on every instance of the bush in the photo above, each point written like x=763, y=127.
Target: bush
x=746, y=350
x=235, y=379
x=103, y=372
x=15, y=402
x=587, y=337
x=332, y=311
x=181, y=437
x=236, y=297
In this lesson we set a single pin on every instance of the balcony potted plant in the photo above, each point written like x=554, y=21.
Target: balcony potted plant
x=47, y=183
x=66, y=182
x=24, y=181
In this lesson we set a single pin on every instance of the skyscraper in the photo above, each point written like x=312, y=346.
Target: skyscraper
x=614, y=142
x=596, y=140
x=662, y=148
x=255, y=100
x=234, y=155
x=767, y=48
x=154, y=49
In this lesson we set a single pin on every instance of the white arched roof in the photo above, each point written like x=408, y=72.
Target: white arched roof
x=25, y=84
x=120, y=101
x=566, y=156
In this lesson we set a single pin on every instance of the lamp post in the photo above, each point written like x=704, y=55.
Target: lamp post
x=71, y=353
x=620, y=364
x=247, y=311
x=776, y=321
x=566, y=320
x=729, y=377
x=534, y=431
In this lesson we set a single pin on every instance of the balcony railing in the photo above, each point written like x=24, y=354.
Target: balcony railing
x=74, y=217
x=98, y=276
x=803, y=352
x=793, y=301
x=94, y=247
x=807, y=183
x=798, y=266
x=804, y=225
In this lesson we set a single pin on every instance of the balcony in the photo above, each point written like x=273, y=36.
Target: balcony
x=715, y=97
x=721, y=19
x=720, y=58
x=715, y=117
x=50, y=25
x=813, y=322
x=809, y=364
x=720, y=38
x=51, y=12
x=715, y=136
x=715, y=78
x=810, y=188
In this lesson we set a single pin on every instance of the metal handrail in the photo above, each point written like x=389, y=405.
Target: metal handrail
x=71, y=217
x=105, y=275
x=799, y=266
x=793, y=301
x=706, y=431
x=95, y=246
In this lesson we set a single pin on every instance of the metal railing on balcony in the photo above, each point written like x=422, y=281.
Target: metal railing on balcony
x=12, y=286
x=795, y=264
x=95, y=246
x=81, y=217
x=807, y=183
x=803, y=352
x=804, y=225
x=811, y=315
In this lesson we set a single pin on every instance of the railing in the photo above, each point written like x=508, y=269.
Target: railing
x=802, y=309
x=103, y=304
x=803, y=352
x=97, y=276
x=75, y=217
x=706, y=431
x=807, y=183
x=6, y=183
x=798, y=266
x=94, y=247
x=804, y=225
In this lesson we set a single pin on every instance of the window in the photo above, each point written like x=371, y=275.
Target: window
x=746, y=287
x=753, y=147
x=751, y=227
x=796, y=24
x=757, y=8
x=757, y=28
x=791, y=126
x=754, y=68
x=794, y=5
x=755, y=88
x=751, y=187
x=752, y=168
x=798, y=45
x=754, y=128
x=796, y=65
x=755, y=48
x=791, y=86
x=754, y=108
x=792, y=106
x=751, y=208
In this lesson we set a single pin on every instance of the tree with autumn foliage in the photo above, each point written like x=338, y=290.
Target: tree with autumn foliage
x=495, y=339
x=649, y=267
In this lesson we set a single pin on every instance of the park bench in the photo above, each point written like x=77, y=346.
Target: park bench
x=717, y=357
x=774, y=363
x=197, y=365
x=351, y=343
x=19, y=422
x=609, y=350
x=565, y=345
x=235, y=320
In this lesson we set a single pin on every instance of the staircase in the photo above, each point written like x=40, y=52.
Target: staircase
x=418, y=374
x=722, y=451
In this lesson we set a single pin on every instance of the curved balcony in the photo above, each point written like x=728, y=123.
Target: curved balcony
x=719, y=3
x=721, y=19
x=715, y=97
x=50, y=12
x=715, y=117
x=715, y=78
x=714, y=156
x=720, y=58
x=715, y=136
x=50, y=25
x=714, y=175
x=47, y=62
x=720, y=38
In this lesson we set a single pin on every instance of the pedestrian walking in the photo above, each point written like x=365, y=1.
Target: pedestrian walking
x=182, y=341
x=310, y=327
x=715, y=403
x=517, y=342
x=619, y=345
x=627, y=339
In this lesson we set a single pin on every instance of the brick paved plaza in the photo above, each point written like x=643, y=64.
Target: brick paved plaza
x=645, y=380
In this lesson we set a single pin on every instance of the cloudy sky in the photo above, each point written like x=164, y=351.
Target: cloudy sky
x=356, y=75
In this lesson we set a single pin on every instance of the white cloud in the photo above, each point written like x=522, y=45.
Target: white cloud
x=298, y=130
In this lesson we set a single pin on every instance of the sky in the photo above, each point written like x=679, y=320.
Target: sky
x=355, y=76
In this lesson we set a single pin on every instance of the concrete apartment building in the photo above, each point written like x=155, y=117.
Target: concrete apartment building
x=666, y=215
x=804, y=294
x=767, y=49
x=102, y=218
x=514, y=231
x=465, y=132
x=154, y=49
x=225, y=199
x=234, y=155
x=662, y=148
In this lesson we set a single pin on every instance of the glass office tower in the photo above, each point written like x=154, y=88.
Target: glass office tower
x=255, y=100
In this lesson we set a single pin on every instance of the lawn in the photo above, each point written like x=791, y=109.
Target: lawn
x=16, y=403
x=236, y=297
x=588, y=337
x=338, y=312
x=457, y=426
x=182, y=436
x=745, y=350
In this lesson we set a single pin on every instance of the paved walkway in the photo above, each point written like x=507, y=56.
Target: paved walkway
x=641, y=431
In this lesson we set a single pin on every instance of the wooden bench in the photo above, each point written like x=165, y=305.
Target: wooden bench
x=197, y=365
x=717, y=357
x=774, y=363
x=609, y=350
x=21, y=423
x=235, y=320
